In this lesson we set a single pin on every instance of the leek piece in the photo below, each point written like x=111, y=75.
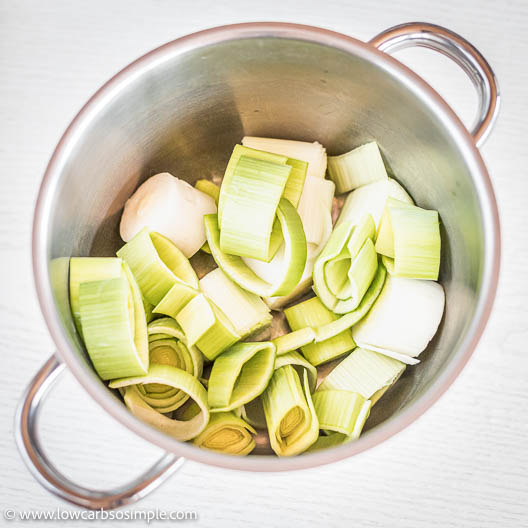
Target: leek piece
x=411, y=236
x=247, y=312
x=237, y=153
x=356, y=168
x=165, y=326
x=345, y=268
x=157, y=264
x=300, y=365
x=114, y=327
x=295, y=183
x=365, y=372
x=328, y=440
x=171, y=207
x=313, y=153
x=294, y=255
x=251, y=201
x=206, y=326
x=175, y=299
x=312, y=313
x=171, y=377
x=294, y=340
x=403, y=320
x=227, y=433
x=148, y=307
x=86, y=269
x=324, y=332
x=370, y=199
x=240, y=375
x=290, y=415
x=341, y=411
x=208, y=187
x=253, y=413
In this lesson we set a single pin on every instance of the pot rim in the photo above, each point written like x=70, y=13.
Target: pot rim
x=391, y=66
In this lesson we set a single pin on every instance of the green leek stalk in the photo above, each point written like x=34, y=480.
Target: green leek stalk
x=356, y=168
x=114, y=326
x=171, y=377
x=247, y=312
x=213, y=190
x=294, y=340
x=312, y=313
x=294, y=255
x=240, y=375
x=227, y=433
x=290, y=415
x=345, y=268
x=409, y=239
x=300, y=365
x=157, y=264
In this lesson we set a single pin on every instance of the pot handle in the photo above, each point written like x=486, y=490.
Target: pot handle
x=459, y=50
x=50, y=478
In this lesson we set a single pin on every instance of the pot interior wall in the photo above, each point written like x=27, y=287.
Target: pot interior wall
x=185, y=115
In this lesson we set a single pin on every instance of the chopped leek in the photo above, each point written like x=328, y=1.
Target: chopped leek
x=411, y=236
x=247, y=312
x=312, y=313
x=253, y=413
x=171, y=207
x=365, y=372
x=300, y=365
x=370, y=200
x=328, y=440
x=294, y=340
x=208, y=187
x=175, y=299
x=206, y=326
x=157, y=264
x=240, y=375
x=171, y=377
x=356, y=168
x=114, y=327
x=227, y=433
x=86, y=269
x=313, y=153
x=345, y=268
x=294, y=255
x=403, y=320
x=290, y=415
x=251, y=201
x=341, y=411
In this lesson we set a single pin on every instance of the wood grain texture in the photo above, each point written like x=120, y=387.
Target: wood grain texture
x=464, y=463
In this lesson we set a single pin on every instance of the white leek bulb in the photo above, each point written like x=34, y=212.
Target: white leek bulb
x=404, y=318
x=171, y=207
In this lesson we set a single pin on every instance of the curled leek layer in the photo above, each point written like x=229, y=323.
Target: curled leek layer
x=227, y=433
x=345, y=268
x=312, y=314
x=300, y=365
x=290, y=415
x=240, y=375
x=294, y=255
x=171, y=377
x=157, y=264
x=294, y=340
x=114, y=325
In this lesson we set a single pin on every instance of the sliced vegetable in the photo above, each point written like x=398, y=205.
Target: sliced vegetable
x=365, y=372
x=341, y=411
x=410, y=236
x=328, y=440
x=227, y=433
x=356, y=168
x=240, y=375
x=170, y=377
x=370, y=200
x=403, y=319
x=294, y=340
x=345, y=268
x=114, y=327
x=247, y=312
x=290, y=415
x=171, y=207
x=312, y=313
x=157, y=264
x=86, y=269
x=253, y=413
x=300, y=365
x=206, y=326
x=209, y=188
x=175, y=299
x=313, y=153
x=294, y=255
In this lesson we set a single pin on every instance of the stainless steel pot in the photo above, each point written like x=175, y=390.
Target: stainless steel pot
x=180, y=109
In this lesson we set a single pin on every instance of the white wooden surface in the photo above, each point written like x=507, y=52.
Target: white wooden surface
x=463, y=464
